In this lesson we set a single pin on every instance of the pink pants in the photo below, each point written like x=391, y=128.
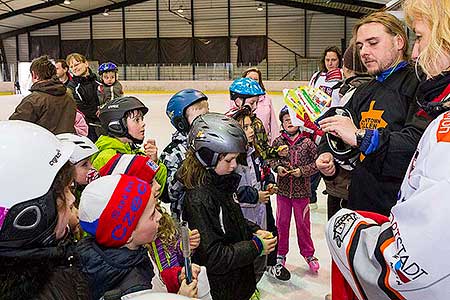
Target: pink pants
x=302, y=222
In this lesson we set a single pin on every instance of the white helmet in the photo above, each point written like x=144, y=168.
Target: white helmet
x=84, y=146
x=31, y=156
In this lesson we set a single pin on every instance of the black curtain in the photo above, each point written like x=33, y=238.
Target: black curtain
x=142, y=51
x=76, y=46
x=212, y=49
x=108, y=50
x=176, y=50
x=251, y=49
x=44, y=45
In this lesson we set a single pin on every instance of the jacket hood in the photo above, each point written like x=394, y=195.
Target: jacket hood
x=107, y=142
x=51, y=86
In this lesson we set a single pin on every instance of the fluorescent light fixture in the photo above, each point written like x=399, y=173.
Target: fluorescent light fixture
x=67, y=2
x=180, y=9
x=260, y=7
x=106, y=13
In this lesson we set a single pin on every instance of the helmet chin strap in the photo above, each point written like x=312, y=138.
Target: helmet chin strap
x=135, y=143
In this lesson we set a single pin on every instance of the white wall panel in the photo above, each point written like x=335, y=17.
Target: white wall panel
x=23, y=47
x=172, y=25
x=286, y=26
x=323, y=30
x=141, y=20
x=10, y=49
x=76, y=30
x=108, y=27
x=53, y=30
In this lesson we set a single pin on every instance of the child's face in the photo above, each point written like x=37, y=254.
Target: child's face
x=227, y=164
x=74, y=220
x=136, y=125
x=109, y=78
x=79, y=68
x=248, y=129
x=147, y=226
x=253, y=75
x=195, y=110
x=251, y=102
x=81, y=170
x=287, y=125
x=64, y=213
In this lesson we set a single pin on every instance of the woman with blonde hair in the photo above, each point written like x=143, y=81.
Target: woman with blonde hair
x=405, y=256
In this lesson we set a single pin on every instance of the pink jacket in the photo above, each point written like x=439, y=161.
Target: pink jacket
x=266, y=113
x=81, y=127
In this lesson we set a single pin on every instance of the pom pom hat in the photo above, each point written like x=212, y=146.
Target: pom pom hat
x=134, y=165
x=111, y=207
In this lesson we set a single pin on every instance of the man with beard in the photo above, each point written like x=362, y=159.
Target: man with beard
x=382, y=108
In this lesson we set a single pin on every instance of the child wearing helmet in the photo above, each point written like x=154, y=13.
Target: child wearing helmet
x=182, y=108
x=84, y=173
x=256, y=186
x=294, y=189
x=111, y=87
x=119, y=212
x=35, y=254
x=230, y=243
x=246, y=92
x=123, y=120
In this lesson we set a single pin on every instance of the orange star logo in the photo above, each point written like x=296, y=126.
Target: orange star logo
x=372, y=119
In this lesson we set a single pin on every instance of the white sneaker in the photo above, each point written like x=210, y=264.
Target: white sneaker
x=313, y=206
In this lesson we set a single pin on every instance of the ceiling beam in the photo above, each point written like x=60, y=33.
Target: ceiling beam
x=70, y=18
x=319, y=8
x=366, y=4
x=29, y=9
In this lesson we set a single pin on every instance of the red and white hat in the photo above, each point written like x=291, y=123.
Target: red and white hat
x=111, y=206
x=131, y=164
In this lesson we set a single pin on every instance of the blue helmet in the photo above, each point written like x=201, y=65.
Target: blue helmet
x=107, y=67
x=245, y=88
x=177, y=105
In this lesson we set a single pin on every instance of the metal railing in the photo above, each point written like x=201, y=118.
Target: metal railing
x=297, y=69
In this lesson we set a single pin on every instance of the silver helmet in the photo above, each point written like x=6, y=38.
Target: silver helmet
x=213, y=134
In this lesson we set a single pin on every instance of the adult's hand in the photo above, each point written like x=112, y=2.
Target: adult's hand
x=342, y=127
x=325, y=164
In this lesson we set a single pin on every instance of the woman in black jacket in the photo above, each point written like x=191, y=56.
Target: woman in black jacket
x=230, y=243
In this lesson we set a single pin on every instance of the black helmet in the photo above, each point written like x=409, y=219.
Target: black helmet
x=28, y=213
x=345, y=155
x=112, y=115
x=213, y=134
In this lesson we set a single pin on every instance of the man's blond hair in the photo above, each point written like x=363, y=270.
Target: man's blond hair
x=391, y=24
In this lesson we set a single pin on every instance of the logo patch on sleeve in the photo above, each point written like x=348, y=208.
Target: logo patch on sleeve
x=443, y=131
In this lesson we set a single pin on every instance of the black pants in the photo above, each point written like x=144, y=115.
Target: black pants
x=334, y=204
x=315, y=180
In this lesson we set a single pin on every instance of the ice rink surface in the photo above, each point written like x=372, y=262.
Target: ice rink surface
x=303, y=284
